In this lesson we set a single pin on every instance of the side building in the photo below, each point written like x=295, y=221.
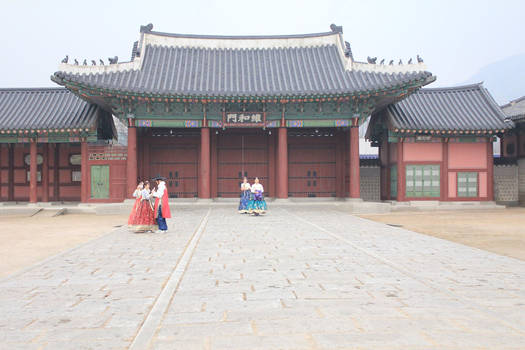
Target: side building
x=44, y=137
x=437, y=144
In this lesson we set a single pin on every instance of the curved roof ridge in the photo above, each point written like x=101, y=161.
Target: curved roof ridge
x=512, y=102
x=242, y=37
x=452, y=88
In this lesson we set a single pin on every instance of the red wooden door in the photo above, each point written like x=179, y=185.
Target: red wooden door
x=179, y=164
x=240, y=153
x=312, y=166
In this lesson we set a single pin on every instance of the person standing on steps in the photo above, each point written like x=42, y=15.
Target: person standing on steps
x=162, y=207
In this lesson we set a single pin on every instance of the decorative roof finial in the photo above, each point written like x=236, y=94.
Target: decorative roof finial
x=371, y=60
x=348, y=50
x=113, y=60
x=65, y=59
x=147, y=28
x=410, y=60
x=101, y=62
x=336, y=29
x=419, y=59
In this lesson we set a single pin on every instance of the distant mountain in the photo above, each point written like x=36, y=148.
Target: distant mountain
x=504, y=79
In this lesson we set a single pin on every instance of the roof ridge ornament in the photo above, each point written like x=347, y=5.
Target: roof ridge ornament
x=336, y=29
x=147, y=28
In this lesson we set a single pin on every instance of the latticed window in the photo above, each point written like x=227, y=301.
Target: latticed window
x=422, y=181
x=467, y=184
x=393, y=181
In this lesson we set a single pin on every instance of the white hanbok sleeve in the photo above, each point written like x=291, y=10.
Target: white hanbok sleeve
x=160, y=191
x=136, y=194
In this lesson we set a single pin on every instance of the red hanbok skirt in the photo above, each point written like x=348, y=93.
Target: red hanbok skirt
x=144, y=218
x=133, y=211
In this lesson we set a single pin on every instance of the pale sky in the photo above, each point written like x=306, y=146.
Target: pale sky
x=455, y=38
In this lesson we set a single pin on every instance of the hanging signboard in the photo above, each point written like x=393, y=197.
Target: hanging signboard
x=244, y=119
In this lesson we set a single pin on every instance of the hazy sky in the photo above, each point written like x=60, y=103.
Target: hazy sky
x=455, y=38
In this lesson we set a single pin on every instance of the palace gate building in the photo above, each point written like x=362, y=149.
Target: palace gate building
x=206, y=110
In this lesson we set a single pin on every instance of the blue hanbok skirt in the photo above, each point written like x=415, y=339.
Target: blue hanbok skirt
x=245, y=201
x=257, y=206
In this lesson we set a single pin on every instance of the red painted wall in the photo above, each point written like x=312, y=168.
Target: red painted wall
x=68, y=190
x=467, y=155
x=422, y=152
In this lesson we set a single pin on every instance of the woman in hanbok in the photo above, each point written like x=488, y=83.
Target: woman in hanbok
x=144, y=219
x=246, y=194
x=257, y=204
x=137, y=196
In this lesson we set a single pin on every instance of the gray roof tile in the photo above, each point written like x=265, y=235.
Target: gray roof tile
x=169, y=70
x=44, y=108
x=515, y=109
x=468, y=107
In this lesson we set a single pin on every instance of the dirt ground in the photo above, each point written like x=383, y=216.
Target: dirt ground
x=25, y=241
x=498, y=231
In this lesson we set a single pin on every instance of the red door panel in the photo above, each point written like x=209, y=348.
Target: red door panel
x=179, y=164
x=240, y=153
x=311, y=166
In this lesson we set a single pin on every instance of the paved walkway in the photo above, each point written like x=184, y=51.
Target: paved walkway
x=299, y=278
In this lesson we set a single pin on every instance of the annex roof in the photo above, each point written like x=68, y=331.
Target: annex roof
x=515, y=109
x=209, y=65
x=44, y=108
x=461, y=108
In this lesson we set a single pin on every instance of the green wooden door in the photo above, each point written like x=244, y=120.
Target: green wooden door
x=100, y=181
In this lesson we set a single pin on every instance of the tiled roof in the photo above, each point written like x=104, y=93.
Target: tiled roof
x=459, y=108
x=515, y=109
x=44, y=108
x=192, y=65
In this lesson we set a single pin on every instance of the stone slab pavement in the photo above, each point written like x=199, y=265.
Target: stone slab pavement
x=309, y=277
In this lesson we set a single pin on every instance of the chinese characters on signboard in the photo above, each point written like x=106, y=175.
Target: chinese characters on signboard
x=244, y=119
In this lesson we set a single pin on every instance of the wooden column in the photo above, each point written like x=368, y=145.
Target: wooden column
x=33, y=172
x=400, y=172
x=282, y=163
x=354, y=171
x=56, y=173
x=490, y=170
x=213, y=160
x=340, y=164
x=11, y=173
x=388, y=174
x=204, y=176
x=271, y=165
x=84, y=173
x=131, y=164
x=45, y=173
x=444, y=171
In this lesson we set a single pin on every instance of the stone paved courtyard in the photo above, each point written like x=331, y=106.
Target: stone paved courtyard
x=302, y=277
